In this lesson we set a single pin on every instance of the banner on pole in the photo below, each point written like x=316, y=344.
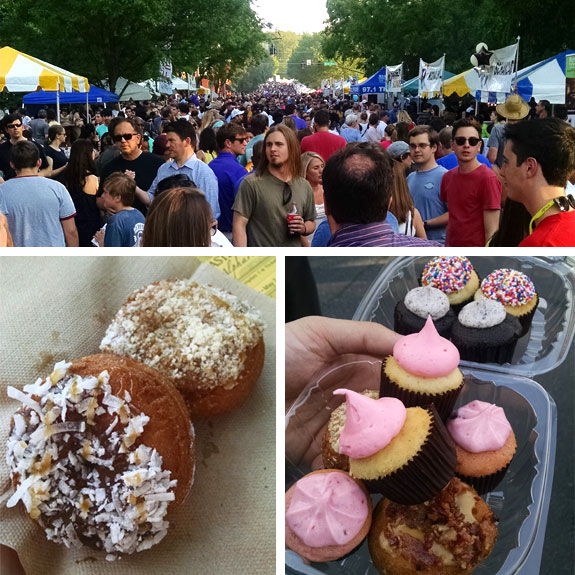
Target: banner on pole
x=165, y=79
x=393, y=77
x=498, y=76
x=431, y=76
x=570, y=84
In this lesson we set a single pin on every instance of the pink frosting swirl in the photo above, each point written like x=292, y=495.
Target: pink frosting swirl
x=480, y=426
x=426, y=353
x=370, y=424
x=327, y=509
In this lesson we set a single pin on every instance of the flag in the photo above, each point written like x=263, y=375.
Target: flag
x=393, y=78
x=431, y=75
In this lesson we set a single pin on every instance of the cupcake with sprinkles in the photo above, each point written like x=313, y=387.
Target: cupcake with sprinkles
x=454, y=276
x=515, y=291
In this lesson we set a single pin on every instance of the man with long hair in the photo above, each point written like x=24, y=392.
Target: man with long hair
x=274, y=206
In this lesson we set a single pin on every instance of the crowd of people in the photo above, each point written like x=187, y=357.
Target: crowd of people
x=276, y=168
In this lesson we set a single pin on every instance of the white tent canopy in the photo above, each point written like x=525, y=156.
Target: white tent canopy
x=133, y=91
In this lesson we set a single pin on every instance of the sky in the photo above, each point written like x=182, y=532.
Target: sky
x=293, y=15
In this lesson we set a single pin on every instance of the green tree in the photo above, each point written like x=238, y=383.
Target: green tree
x=307, y=63
x=105, y=39
x=284, y=43
x=253, y=76
x=391, y=31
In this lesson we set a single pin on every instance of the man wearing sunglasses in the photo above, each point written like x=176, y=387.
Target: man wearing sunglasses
x=472, y=191
x=133, y=161
x=13, y=127
x=231, y=140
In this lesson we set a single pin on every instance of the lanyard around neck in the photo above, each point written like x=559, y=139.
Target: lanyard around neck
x=542, y=211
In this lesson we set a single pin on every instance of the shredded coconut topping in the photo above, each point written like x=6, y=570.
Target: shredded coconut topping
x=182, y=328
x=83, y=484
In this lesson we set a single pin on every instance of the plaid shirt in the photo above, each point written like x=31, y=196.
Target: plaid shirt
x=377, y=234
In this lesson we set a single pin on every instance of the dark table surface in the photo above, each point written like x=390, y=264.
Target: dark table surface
x=341, y=283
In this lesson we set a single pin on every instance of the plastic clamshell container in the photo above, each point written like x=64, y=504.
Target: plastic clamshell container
x=546, y=344
x=520, y=501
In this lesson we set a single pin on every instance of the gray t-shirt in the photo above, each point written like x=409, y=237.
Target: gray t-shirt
x=497, y=140
x=261, y=201
x=34, y=207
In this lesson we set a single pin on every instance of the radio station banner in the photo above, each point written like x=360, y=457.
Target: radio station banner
x=498, y=76
x=393, y=77
x=431, y=75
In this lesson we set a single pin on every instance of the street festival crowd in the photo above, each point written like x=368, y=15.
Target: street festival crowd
x=278, y=168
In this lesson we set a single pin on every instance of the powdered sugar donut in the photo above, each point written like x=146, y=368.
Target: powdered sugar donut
x=99, y=452
x=208, y=341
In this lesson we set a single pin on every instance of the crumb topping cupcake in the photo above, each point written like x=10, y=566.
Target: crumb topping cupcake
x=448, y=535
x=331, y=456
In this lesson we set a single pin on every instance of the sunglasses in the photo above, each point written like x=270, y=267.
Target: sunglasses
x=241, y=140
x=12, y=126
x=460, y=141
x=120, y=137
x=404, y=157
x=286, y=194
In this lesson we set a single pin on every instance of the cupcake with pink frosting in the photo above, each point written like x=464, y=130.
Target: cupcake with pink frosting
x=484, y=442
x=423, y=369
x=327, y=515
x=406, y=454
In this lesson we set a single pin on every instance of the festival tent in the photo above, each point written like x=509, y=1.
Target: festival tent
x=133, y=91
x=544, y=80
x=412, y=86
x=95, y=96
x=22, y=73
x=373, y=85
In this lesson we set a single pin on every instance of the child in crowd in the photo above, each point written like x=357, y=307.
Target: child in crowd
x=125, y=227
x=179, y=217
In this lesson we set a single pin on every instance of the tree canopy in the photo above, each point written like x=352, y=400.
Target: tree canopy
x=393, y=31
x=105, y=39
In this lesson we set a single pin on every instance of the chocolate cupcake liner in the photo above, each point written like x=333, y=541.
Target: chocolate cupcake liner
x=484, y=483
x=527, y=318
x=406, y=322
x=501, y=353
x=426, y=474
x=443, y=402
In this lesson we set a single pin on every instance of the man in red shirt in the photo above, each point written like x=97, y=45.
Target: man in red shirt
x=538, y=158
x=472, y=191
x=323, y=142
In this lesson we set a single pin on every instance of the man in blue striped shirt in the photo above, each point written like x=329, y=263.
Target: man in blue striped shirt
x=181, y=146
x=357, y=185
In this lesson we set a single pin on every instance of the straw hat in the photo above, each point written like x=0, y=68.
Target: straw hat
x=515, y=108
